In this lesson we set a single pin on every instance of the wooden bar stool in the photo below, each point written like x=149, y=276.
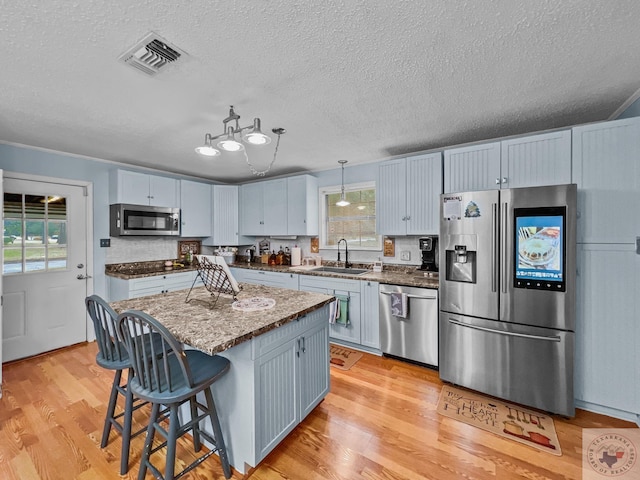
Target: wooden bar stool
x=168, y=376
x=112, y=355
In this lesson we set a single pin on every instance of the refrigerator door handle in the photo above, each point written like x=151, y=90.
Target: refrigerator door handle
x=503, y=247
x=554, y=338
x=494, y=246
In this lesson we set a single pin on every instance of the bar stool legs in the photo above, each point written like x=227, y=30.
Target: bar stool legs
x=176, y=430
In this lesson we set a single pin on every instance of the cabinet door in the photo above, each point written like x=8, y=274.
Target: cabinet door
x=302, y=205
x=606, y=168
x=472, y=168
x=133, y=188
x=252, y=209
x=225, y=216
x=314, y=366
x=163, y=191
x=370, y=318
x=195, y=209
x=536, y=160
x=277, y=398
x=423, y=187
x=391, y=198
x=607, y=327
x=351, y=331
x=275, y=207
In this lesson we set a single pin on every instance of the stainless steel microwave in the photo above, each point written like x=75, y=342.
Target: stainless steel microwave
x=132, y=220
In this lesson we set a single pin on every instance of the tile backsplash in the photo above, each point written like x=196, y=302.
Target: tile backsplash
x=141, y=249
x=145, y=249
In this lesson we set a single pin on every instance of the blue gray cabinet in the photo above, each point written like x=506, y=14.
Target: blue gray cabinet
x=347, y=288
x=607, y=172
x=195, y=209
x=270, y=279
x=370, y=315
x=408, y=195
x=120, y=289
x=143, y=189
x=542, y=159
x=263, y=208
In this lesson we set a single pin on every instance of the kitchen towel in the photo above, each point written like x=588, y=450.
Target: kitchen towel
x=333, y=311
x=399, y=305
x=342, y=314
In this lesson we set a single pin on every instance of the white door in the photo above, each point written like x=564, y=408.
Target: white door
x=44, y=266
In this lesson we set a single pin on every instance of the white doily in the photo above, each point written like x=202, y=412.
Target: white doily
x=253, y=304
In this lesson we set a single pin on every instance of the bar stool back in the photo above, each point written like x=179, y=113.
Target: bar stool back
x=168, y=376
x=112, y=355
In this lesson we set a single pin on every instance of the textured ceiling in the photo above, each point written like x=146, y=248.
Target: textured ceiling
x=355, y=80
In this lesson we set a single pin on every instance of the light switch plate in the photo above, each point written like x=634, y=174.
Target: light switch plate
x=405, y=255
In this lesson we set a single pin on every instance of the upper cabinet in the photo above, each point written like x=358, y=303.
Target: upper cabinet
x=143, y=189
x=408, y=195
x=543, y=159
x=195, y=209
x=302, y=205
x=285, y=206
x=225, y=217
x=606, y=168
x=263, y=208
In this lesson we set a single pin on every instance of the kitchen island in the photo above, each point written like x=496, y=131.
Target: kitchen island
x=279, y=359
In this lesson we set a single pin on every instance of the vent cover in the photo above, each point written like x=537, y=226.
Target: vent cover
x=151, y=54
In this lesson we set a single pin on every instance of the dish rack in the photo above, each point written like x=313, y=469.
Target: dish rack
x=215, y=280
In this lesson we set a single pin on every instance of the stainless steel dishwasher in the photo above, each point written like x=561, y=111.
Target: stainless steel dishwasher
x=416, y=336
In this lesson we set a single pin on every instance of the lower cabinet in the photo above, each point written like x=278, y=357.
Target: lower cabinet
x=370, y=315
x=270, y=279
x=346, y=288
x=120, y=289
x=292, y=379
x=274, y=382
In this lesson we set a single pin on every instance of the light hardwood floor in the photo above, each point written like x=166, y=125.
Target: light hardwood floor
x=378, y=422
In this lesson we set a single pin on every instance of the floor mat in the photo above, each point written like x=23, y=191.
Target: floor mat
x=343, y=358
x=532, y=428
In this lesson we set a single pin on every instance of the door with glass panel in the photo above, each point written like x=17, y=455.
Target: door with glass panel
x=44, y=267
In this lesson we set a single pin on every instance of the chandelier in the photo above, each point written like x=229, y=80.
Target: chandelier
x=228, y=142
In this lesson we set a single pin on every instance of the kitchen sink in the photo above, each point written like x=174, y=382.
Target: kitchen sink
x=343, y=271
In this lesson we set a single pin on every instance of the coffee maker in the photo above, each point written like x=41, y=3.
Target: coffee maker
x=429, y=249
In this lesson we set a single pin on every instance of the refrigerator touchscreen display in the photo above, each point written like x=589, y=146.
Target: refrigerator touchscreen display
x=539, y=248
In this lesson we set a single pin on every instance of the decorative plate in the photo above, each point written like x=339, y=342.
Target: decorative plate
x=253, y=304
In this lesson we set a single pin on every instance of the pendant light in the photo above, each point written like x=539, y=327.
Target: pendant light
x=228, y=142
x=343, y=202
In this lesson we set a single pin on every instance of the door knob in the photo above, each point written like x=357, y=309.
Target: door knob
x=83, y=277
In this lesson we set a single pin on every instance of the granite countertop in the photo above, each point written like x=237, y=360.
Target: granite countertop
x=391, y=275
x=129, y=271
x=394, y=275
x=216, y=329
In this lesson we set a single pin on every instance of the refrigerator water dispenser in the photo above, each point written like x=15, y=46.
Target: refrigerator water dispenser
x=461, y=259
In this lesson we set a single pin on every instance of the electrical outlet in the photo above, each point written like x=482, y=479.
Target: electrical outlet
x=405, y=255
x=105, y=242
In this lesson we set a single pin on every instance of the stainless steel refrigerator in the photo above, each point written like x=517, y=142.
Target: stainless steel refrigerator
x=507, y=294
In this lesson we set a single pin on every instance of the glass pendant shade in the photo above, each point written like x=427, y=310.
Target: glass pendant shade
x=229, y=143
x=343, y=202
x=255, y=136
x=207, y=151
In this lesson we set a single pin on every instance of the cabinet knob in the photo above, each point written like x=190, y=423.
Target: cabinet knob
x=497, y=181
x=408, y=217
x=504, y=179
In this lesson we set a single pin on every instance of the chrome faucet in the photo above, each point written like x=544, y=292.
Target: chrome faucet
x=346, y=253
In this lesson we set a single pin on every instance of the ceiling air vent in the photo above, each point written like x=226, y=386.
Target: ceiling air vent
x=151, y=54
